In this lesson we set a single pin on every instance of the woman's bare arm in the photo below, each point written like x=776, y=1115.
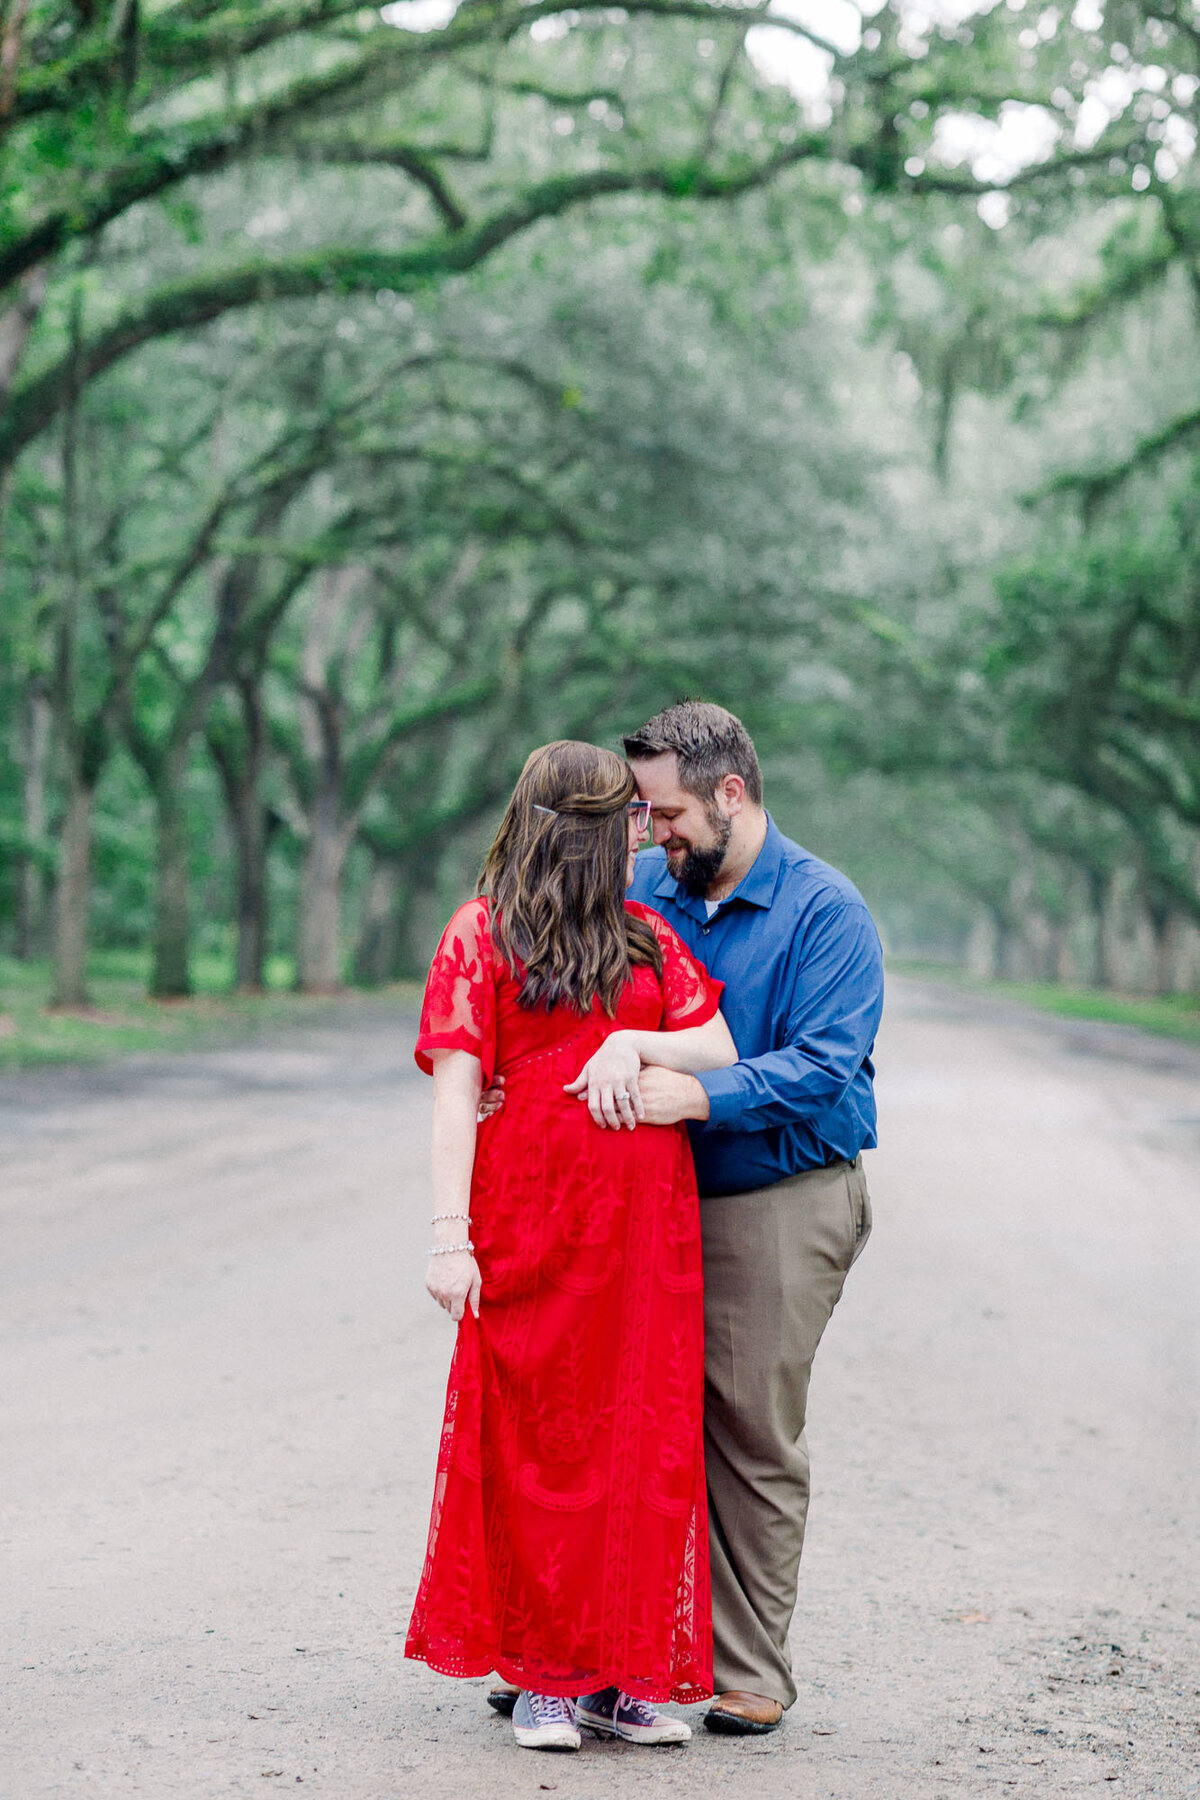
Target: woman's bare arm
x=690, y=1051
x=609, y=1079
x=453, y=1278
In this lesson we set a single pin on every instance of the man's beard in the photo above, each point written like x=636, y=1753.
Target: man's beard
x=701, y=867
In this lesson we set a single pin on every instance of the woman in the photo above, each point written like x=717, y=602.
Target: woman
x=568, y=1543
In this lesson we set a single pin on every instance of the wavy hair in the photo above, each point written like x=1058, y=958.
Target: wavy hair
x=555, y=878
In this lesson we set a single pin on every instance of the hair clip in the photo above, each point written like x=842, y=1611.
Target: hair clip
x=548, y=810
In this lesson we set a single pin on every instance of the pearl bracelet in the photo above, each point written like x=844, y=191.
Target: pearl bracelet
x=445, y=1249
x=438, y=1216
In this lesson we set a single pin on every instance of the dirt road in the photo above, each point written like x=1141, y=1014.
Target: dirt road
x=220, y=1385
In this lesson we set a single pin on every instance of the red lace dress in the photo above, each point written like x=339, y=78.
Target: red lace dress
x=568, y=1547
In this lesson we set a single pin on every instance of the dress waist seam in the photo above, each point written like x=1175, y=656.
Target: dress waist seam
x=517, y=1063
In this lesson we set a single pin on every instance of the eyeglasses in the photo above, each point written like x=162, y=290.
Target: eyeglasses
x=639, y=811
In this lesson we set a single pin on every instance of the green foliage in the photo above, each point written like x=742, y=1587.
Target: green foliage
x=122, y=1019
x=377, y=403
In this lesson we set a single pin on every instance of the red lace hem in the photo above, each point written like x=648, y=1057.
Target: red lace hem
x=686, y=1690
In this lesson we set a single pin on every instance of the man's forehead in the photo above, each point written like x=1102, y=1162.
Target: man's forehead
x=657, y=779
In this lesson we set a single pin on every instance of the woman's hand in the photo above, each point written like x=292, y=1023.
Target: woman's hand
x=492, y=1098
x=455, y=1282
x=608, y=1081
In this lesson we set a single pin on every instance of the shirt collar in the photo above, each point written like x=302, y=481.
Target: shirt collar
x=756, y=888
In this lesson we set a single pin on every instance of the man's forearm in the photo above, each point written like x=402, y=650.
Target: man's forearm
x=775, y=1089
x=694, y=1098
x=670, y=1097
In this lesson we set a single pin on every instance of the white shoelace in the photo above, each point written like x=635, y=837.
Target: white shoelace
x=551, y=1709
x=644, y=1714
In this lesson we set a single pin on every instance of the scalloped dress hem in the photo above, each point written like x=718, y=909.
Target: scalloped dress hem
x=565, y=1687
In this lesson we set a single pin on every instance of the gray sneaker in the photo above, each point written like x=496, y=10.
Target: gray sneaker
x=595, y=1711
x=545, y=1722
x=611, y=1713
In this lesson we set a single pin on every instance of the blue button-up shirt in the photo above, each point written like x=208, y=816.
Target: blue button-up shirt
x=803, y=972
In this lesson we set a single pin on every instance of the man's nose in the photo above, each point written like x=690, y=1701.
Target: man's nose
x=660, y=830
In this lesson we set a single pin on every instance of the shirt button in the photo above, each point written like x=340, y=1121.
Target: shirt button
x=704, y=930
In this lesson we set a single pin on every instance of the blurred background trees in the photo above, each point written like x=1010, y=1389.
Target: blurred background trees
x=388, y=391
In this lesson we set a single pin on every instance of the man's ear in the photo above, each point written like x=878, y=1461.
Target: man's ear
x=732, y=790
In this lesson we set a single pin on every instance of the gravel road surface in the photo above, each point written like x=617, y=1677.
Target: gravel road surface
x=220, y=1387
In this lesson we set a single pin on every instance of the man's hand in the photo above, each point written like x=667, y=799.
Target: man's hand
x=668, y=1097
x=608, y=1081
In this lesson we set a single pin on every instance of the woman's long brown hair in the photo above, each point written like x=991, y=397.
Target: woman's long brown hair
x=555, y=878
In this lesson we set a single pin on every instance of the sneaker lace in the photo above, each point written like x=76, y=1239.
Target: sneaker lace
x=639, y=1710
x=551, y=1709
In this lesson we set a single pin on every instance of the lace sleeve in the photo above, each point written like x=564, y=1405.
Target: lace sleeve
x=459, y=1012
x=690, y=994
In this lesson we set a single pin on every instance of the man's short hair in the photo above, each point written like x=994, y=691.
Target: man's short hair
x=709, y=742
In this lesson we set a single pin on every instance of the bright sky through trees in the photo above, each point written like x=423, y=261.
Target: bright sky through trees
x=995, y=150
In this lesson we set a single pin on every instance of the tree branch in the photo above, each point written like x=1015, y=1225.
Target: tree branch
x=1094, y=486
x=931, y=182
x=168, y=43
x=187, y=305
x=1130, y=280
x=371, y=759
x=10, y=55
x=413, y=161
x=165, y=160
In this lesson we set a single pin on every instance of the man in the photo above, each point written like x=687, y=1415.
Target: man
x=777, y=1140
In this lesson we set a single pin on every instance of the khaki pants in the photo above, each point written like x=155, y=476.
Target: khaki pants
x=775, y=1261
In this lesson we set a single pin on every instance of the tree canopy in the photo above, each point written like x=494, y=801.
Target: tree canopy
x=387, y=390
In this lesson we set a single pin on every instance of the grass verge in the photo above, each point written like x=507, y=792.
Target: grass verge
x=1171, y=1015
x=121, y=1019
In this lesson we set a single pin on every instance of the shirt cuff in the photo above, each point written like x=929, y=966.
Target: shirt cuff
x=724, y=1096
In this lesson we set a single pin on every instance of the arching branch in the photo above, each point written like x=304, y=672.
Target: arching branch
x=187, y=305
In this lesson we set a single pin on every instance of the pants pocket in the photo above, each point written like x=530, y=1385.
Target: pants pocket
x=860, y=1204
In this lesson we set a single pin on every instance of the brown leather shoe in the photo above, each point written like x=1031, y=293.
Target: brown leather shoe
x=503, y=1697
x=743, y=1715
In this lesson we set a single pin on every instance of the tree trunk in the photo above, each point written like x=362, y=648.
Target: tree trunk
x=419, y=878
x=31, y=888
x=375, y=953
x=169, y=978
x=250, y=836
x=71, y=898
x=318, y=965
x=388, y=947
x=1097, y=892
x=239, y=762
x=1058, y=950
x=1164, y=932
x=248, y=825
x=1004, y=945
x=409, y=962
